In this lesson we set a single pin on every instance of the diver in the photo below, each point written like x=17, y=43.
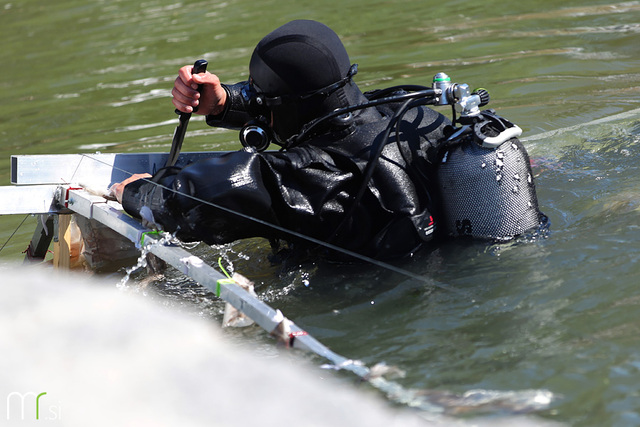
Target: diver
x=377, y=173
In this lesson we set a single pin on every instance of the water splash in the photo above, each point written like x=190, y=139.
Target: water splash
x=439, y=402
x=143, y=259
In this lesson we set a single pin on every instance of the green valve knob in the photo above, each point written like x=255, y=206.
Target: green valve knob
x=441, y=77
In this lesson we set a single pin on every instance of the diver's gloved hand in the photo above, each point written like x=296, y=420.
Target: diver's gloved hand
x=117, y=189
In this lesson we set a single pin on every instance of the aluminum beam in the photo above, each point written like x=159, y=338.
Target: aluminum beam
x=110, y=214
x=36, y=199
x=98, y=171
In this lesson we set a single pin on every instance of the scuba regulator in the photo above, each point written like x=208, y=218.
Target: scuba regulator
x=257, y=132
x=473, y=120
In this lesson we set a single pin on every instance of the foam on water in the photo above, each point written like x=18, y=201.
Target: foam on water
x=104, y=358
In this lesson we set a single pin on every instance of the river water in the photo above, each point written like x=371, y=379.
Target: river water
x=558, y=313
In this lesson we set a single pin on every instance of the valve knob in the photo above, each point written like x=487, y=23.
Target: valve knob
x=483, y=94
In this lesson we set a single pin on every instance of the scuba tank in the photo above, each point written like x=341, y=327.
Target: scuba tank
x=485, y=180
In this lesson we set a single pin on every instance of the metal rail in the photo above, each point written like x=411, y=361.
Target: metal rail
x=271, y=320
x=98, y=170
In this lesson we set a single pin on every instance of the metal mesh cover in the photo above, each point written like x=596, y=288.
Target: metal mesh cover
x=488, y=193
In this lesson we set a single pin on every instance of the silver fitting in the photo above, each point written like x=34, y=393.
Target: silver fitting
x=458, y=94
x=442, y=82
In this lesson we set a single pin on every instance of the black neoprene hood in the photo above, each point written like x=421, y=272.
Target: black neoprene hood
x=298, y=57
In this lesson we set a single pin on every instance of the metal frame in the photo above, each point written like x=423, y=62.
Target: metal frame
x=271, y=320
x=92, y=170
x=42, y=185
x=35, y=178
x=42, y=237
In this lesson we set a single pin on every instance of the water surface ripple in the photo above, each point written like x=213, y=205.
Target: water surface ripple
x=556, y=313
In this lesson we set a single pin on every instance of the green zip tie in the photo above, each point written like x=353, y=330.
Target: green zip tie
x=156, y=232
x=221, y=282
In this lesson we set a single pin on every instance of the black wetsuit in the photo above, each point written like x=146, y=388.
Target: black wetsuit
x=309, y=189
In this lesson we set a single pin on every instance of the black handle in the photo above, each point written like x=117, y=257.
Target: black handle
x=200, y=66
x=178, y=136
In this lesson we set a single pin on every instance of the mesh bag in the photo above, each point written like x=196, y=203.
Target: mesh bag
x=488, y=193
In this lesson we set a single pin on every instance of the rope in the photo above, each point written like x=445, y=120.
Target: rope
x=14, y=232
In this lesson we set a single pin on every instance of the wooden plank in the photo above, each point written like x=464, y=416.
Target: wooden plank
x=62, y=247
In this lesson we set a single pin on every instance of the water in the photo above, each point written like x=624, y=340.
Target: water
x=558, y=313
